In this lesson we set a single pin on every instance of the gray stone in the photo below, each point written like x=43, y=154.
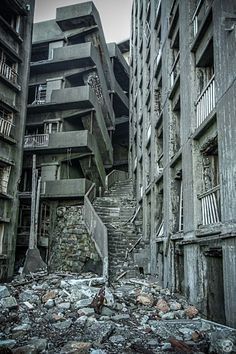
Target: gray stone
x=64, y=305
x=100, y=331
x=49, y=304
x=82, y=303
x=186, y=332
x=166, y=346
x=168, y=316
x=121, y=317
x=98, y=351
x=87, y=311
x=63, y=325
x=9, y=302
x=117, y=339
x=39, y=343
x=25, y=327
x=82, y=320
x=28, y=295
x=27, y=349
x=4, y=292
x=7, y=343
x=107, y=312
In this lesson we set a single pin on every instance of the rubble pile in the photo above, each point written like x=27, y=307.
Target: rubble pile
x=63, y=313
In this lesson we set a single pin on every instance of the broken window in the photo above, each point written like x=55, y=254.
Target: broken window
x=175, y=133
x=40, y=52
x=177, y=200
x=4, y=178
x=37, y=94
x=210, y=197
x=159, y=149
x=52, y=127
x=10, y=17
x=159, y=216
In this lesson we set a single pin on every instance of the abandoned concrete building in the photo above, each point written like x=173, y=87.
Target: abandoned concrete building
x=182, y=147
x=77, y=128
x=15, y=42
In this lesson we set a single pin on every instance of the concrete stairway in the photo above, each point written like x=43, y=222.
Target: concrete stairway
x=116, y=208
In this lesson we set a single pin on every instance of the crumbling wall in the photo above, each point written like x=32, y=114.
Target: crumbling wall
x=72, y=248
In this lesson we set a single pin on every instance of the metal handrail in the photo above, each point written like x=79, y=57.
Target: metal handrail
x=115, y=176
x=96, y=228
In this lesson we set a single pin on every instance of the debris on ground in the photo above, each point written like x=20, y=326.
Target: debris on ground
x=68, y=313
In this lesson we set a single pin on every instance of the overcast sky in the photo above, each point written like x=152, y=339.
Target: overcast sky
x=115, y=15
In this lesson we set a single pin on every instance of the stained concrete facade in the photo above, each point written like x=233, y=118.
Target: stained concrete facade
x=16, y=19
x=182, y=147
x=77, y=105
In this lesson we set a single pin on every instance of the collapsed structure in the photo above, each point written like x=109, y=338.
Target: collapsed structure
x=182, y=147
x=16, y=19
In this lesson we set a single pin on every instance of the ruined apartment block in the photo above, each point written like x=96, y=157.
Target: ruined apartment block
x=182, y=147
x=77, y=127
x=15, y=44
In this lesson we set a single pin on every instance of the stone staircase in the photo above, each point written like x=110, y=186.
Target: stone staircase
x=116, y=209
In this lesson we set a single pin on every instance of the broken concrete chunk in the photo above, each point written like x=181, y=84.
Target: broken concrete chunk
x=7, y=343
x=9, y=302
x=48, y=296
x=76, y=347
x=191, y=311
x=4, y=292
x=145, y=299
x=162, y=306
x=61, y=326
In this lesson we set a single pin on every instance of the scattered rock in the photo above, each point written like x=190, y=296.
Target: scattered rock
x=9, y=302
x=7, y=343
x=48, y=296
x=4, y=292
x=162, y=306
x=145, y=299
x=64, y=325
x=191, y=311
x=76, y=348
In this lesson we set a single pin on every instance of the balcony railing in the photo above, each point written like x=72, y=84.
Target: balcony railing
x=206, y=101
x=175, y=70
x=8, y=72
x=198, y=15
x=210, y=206
x=5, y=126
x=37, y=140
x=3, y=185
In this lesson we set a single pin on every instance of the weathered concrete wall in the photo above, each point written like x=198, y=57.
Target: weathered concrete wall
x=72, y=249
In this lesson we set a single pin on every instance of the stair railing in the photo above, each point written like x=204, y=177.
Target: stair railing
x=115, y=176
x=96, y=228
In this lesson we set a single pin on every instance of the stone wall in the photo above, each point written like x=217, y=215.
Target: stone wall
x=72, y=249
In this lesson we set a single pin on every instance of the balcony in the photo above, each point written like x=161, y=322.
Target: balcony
x=9, y=73
x=72, y=56
x=76, y=140
x=5, y=125
x=210, y=206
x=205, y=102
x=66, y=188
x=36, y=141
